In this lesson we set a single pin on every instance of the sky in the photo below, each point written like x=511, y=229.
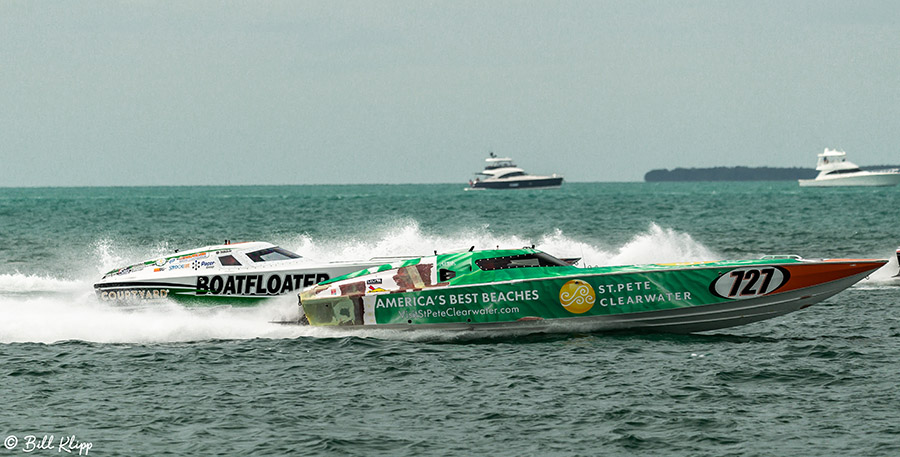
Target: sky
x=118, y=93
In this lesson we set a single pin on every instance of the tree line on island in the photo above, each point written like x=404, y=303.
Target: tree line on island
x=739, y=173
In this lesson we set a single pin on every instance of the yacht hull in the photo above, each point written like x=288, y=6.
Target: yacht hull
x=540, y=183
x=870, y=179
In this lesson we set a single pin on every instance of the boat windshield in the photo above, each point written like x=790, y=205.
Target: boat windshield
x=533, y=259
x=512, y=175
x=229, y=261
x=842, y=172
x=271, y=254
x=502, y=164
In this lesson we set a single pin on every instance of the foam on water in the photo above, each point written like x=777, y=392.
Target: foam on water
x=83, y=317
x=18, y=283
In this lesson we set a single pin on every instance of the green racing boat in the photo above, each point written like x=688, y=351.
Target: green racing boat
x=526, y=289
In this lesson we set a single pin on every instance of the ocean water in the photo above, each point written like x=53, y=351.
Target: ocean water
x=162, y=379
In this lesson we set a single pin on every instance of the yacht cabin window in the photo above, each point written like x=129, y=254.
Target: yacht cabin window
x=500, y=165
x=841, y=172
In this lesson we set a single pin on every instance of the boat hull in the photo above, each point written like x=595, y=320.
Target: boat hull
x=869, y=179
x=679, y=300
x=245, y=287
x=239, y=273
x=539, y=183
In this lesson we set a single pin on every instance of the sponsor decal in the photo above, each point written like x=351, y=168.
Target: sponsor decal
x=373, y=289
x=480, y=304
x=639, y=293
x=139, y=294
x=374, y=281
x=181, y=259
x=749, y=282
x=256, y=284
x=600, y=295
x=198, y=264
x=185, y=258
x=443, y=299
x=577, y=296
x=125, y=271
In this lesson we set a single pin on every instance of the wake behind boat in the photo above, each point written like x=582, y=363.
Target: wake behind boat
x=836, y=171
x=531, y=291
x=502, y=173
x=246, y=271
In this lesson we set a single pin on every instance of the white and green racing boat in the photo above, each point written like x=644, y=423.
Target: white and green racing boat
x=239, y=273
x=529, y=290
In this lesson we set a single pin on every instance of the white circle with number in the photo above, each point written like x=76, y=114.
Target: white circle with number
x=749, y=282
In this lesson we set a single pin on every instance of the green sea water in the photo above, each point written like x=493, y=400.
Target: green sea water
x=162, y=379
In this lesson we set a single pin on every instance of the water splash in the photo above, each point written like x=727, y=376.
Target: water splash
x=404, y=238
x=84, y=318
x=47, y=309
x=656, y=245
x=110, y=255
x=18, y=283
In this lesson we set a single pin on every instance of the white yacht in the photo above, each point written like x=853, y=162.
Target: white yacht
x=835, y=170
x=502, y=173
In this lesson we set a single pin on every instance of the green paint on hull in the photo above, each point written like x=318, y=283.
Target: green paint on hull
x=501, y=286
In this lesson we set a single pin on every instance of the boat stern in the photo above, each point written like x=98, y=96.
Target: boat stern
x=332, y=306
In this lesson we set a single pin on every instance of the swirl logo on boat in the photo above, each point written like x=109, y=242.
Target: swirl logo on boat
x=577, y=296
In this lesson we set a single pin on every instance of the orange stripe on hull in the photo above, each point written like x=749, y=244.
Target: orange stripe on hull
x=809, y=275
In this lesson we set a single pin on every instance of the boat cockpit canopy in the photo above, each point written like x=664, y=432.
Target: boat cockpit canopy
x=229, y=261
x=531, y=259
x=271, y=254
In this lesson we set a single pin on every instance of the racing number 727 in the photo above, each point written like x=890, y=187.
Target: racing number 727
x=750, y=278
x=749, y=282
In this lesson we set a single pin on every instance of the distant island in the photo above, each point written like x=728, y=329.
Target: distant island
x=739, y=174
x=731, y=174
